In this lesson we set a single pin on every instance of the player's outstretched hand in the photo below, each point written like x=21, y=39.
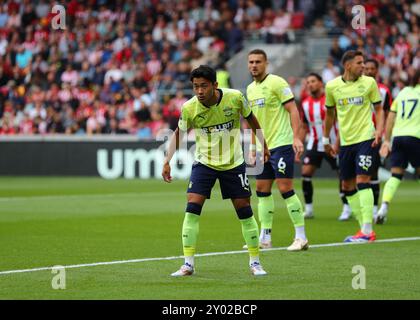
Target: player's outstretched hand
x=297, y=147
x=330, y=150
x=166, y=172
x=377, y=140
x=385, y=149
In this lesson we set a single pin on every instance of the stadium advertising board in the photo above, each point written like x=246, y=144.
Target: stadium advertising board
x=106, y=157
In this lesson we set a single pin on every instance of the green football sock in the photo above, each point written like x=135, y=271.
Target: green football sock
x=354, y=203
x=190, y=230
x=265, y=211
x=391, y=187
x=250, y=233
x=366, y=205
x=294, y=207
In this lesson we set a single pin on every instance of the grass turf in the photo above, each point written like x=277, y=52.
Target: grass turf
x=64, y=221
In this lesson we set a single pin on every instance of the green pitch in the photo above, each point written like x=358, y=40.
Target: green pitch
x=70, y=221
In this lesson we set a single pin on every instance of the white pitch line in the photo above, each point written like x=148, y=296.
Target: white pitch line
x=337, y=244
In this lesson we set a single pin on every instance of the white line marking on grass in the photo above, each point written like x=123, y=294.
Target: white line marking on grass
x=337, y=244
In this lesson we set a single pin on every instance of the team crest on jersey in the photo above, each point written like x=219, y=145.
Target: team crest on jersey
x=227, y=126
x=361, y=88
x=228, y=111
x=257, y=103
x=358, y=101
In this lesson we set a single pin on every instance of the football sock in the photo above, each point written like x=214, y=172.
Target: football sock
x=366, y=202
x=190, y=230
x=250, y=234
x=307, y=188
x=294, y=207
x=265, y=209
x=367, y=228
x=354, y=203
x=300, y=233
x=342, y=194
x=265, y=235
x=346, y=207
x=391, y=187
x=189, y=260
x=376, y=191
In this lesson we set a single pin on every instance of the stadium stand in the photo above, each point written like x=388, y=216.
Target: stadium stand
x=122, y=67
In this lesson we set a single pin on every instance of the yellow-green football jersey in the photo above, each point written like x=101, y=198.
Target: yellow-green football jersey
x=353, y=100
x=407, y=107
x=266, y=99
x=217, y=129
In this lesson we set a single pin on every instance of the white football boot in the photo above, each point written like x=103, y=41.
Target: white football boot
x=185, y=270
x=257, y=269
x=298, y=245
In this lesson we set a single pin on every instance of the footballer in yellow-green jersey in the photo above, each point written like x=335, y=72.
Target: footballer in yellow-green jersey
x=351, y=96
x=403, y=124
x=272, y=102
x=217, y=129
x=407, y=113
x=353, y=100
x=214, y=114
x=267, y=99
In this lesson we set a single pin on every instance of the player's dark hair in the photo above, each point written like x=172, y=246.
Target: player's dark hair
x=314, y=74
x=415, y=78
x=204, y=71
x=375, y=62
x=350, y=55
x=258, y=51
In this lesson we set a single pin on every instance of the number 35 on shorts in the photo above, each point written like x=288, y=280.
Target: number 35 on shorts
x=365, y=162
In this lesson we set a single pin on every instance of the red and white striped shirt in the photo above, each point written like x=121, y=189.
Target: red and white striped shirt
x=386, y=98
x=314, y=111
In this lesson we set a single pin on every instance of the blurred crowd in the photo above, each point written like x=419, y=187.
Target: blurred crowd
x=122, y=67
x=391, y=37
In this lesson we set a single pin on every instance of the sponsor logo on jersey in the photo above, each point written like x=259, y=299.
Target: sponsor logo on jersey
x=228, y=111
x=358, y=101
x=257, y=103
x=227, y=126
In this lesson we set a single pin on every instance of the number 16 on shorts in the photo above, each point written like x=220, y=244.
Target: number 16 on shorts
x=244, y=181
